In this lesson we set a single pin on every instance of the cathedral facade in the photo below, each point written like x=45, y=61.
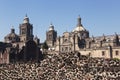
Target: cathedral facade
x=78, y=40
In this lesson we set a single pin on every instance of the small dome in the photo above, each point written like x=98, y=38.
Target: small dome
x=51, y=27
x=12, y=36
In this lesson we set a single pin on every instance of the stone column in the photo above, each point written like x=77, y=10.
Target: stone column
x=110, y=51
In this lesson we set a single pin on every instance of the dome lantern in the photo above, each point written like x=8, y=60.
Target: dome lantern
x=12, y=30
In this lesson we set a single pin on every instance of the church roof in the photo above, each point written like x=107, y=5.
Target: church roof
x=107, y=37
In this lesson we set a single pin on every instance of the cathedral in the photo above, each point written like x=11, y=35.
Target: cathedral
x=25, y=47
x=78, y=40
x=21, y=47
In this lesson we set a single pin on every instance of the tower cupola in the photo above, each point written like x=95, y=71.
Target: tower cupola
x=51, y=27
x=26, y=19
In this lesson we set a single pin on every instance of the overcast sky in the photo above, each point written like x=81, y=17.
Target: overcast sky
x=98, y=16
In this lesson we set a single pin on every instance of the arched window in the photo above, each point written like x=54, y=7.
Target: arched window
x=65, y=40
x=116, y=53
x=103, y=53
x=89, y=54
x=50, y=37
x=23, y=31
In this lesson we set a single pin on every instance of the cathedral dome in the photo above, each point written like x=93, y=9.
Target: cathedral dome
x=79, y=28
x=51, y=27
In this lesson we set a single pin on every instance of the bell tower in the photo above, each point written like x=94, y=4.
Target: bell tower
x=51, y=36
x=26, y=30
